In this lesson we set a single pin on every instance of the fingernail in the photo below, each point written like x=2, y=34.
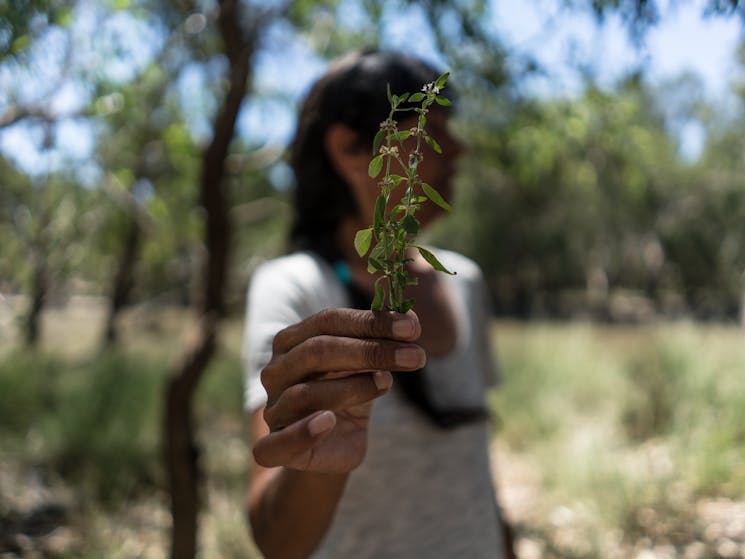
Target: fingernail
x=409, y=357
x=321, y=423
x=403, y=328
x=383, y=380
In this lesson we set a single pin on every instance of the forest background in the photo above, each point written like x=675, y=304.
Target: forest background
x=142, y=179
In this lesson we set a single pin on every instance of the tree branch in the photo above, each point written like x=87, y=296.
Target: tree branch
x=17, y=113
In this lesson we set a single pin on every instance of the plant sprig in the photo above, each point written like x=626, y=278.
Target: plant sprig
x=394, y=232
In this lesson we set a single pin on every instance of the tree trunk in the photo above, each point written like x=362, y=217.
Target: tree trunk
x=123, y=281
x=182, y=454
x=39, y=287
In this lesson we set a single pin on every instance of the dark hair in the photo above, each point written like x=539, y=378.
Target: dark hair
x=352, y=92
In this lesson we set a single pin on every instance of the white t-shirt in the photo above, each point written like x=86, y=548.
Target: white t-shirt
x=422, y=491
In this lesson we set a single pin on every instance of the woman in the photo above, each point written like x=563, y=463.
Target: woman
x=349, y=459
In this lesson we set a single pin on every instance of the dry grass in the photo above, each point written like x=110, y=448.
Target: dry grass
x=623, y=441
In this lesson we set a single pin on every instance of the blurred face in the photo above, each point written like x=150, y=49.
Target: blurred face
x=437, y=170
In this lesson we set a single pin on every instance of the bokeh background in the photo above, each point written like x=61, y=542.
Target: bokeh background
x=142, y=179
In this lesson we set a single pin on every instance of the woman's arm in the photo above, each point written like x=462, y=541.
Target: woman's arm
x=320, y=382
x=289, y=510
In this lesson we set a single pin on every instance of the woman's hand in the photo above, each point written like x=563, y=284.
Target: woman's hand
x=323, y=376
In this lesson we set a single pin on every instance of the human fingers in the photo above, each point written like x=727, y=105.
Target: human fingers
x=350, y=323
x=282, y=447
x=326, y=354
x=305, y=398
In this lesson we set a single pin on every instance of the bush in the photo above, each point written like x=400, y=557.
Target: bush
x=96, y=423
x=106, y=428
x=27, y=387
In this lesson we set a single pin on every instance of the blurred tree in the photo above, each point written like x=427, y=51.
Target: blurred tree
x=20, y=23
x=239, y=42
x=704, y=225
x=640, y=15
x=559, y=197
x=43, y=210
x=134, y=149
x=132, y=152
x=40, y=226
x=13, y=205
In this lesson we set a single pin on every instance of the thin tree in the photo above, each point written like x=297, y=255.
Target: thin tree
x=182, y=454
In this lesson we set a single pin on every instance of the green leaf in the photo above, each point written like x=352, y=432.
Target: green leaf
x=64, y=17
x=397, y=210
x=378, y=302
x=432, y=259
x=379, y=215
x=20, y=43
x=376, y=165
x=403, y=98
x=416, y=98
x=410, y=224
x=442, y=80
x=379, y=137
x=433, y=144
x=404, y=135
x=378, y=251
x=362, y=240
x=422, y=121
x=388, y=93
x=435, y=196
x=396, y=179
x=443, y=101
x=406, y=306
x=373, y=262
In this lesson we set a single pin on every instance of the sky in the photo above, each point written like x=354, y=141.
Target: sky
x=682, y=42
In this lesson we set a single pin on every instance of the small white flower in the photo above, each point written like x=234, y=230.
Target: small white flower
x=388, y=124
